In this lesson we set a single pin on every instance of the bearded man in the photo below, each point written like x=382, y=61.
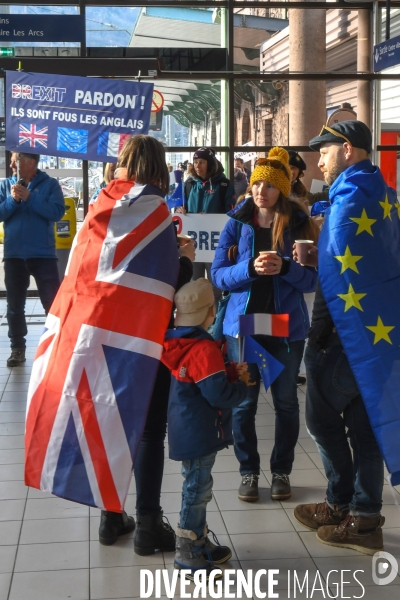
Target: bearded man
x=351, y=358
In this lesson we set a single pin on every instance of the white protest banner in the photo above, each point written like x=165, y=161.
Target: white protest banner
x=245, y=155
x=205, y=231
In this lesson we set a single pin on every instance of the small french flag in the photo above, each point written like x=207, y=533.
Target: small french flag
x=110, y=144
x=262, y=324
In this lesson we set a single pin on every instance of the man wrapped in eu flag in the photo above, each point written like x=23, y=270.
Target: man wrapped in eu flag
x=353, y=353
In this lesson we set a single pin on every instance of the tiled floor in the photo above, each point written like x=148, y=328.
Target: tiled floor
x=49, y=548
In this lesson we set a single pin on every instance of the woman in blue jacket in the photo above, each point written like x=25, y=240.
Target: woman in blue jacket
x=273, y=284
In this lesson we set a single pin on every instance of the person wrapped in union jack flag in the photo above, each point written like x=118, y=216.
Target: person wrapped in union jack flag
x=30, y=203
x=96, y=398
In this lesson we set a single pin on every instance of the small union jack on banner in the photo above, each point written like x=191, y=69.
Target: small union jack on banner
x=97, y=359
x=32, y=135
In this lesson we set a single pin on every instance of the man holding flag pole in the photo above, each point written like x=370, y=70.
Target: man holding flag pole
x=353, y=352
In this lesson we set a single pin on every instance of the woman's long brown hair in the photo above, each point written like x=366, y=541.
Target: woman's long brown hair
x=285, y=209
x=298, y=187
x=144, y=158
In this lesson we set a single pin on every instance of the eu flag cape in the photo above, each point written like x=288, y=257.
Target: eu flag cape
x=359, y=270
x=97, y=360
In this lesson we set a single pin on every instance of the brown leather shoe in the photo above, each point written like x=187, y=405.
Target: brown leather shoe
x=363, y=534
x=16, y=358
x=314, y=516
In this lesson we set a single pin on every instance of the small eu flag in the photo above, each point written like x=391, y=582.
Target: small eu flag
x=269, y=367
x=176, y=199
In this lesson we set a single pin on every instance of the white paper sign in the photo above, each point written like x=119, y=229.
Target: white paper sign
x=318, y=186
x=204, y=229
x=244, y=154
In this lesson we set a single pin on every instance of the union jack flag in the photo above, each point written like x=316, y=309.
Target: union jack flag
x=21, y=91
x=30, y=134
x=97, y=360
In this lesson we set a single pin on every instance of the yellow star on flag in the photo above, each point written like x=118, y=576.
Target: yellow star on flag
x=397, y=205
x=387, y=207
x=381, y=331
x=364, y=223
x=348, y=261
x=352, y=299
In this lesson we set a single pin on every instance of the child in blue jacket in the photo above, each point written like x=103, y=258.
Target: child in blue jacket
x=199, y=418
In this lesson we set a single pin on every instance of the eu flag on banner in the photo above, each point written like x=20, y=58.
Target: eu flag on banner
x=269, y=367
x=176, y=199
x=359, y=270
x=72, y=140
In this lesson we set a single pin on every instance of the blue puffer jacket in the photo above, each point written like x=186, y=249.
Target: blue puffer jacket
x=288, y=289
x=201, y=396
x=29, y=226
x=205, y=197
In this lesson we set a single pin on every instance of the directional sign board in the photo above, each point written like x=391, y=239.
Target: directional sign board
x=387, y=54
x=42, y=28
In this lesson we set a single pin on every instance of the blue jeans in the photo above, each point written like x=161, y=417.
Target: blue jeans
x=196, y=492
x=333, y=405
x=17, y=273
x=284, y=396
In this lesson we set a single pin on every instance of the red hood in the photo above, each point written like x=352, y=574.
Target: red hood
x=174, y=351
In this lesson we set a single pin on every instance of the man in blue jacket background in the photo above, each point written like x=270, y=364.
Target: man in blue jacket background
x=29, y=208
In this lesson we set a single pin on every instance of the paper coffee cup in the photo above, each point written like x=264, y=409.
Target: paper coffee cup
x=183, y=239
x=302, y=247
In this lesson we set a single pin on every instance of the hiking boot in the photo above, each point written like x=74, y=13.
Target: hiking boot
x=363, y=534
x=280, y=488
x=16, y=358
x=191, y=553
x=248, y=490
x=112, y=525
x=219, y=554
x=314, y=516
x=153, y=533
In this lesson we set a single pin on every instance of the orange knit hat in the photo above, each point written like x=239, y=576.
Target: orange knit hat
x=274, y=169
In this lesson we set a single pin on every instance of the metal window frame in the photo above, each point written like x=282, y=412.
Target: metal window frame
x=121, y=67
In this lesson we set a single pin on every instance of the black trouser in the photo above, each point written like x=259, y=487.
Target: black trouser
x=149, y=464
x=17, y=275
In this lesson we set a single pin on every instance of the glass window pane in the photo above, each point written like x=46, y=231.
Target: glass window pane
x=394, y=24
x=252, y=28
x=277, y=54
x=191, y=115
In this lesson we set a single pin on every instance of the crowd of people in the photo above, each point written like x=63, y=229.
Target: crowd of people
x=204, y=390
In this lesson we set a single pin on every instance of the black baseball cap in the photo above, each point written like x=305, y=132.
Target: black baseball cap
x=296, y=161
x=355, y=133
